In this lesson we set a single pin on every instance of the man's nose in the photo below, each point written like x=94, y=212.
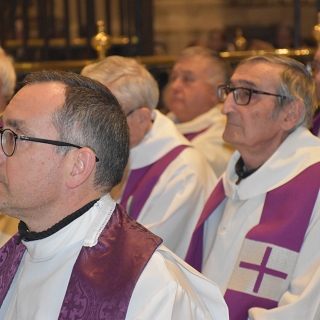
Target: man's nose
x=229, y=104
x=176, y=84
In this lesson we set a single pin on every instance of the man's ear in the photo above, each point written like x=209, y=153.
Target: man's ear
x=82, y=163
x=292, y=114
x=144, y=117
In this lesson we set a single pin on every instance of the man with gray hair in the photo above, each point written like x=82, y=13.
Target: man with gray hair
x=192, y=98
x=258, y=235
x=168, y=181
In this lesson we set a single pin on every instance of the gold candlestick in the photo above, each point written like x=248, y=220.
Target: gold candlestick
x=240, y=41
x=102, y=42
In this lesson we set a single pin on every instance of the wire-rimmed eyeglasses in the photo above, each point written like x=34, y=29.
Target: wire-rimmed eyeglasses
x=132, y=111
x=242, y=96
x=9, y=142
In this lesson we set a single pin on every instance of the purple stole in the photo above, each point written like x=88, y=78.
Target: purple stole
x=103, y=277
x=316, y=125
x=270, y=249
x=142, y=181
x=190, y=136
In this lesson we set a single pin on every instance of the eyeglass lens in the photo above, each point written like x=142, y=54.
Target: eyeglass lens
x=223, y=93
x=241, y=95
x=8, y=142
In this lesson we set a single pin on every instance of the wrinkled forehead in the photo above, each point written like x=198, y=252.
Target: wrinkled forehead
x=194, y=63
x=258, y=73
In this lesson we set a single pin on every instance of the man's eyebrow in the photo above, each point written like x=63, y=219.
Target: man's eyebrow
x=16, y=124
x=188, y=72
x=245, y=83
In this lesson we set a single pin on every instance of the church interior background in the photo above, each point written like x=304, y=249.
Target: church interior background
x=59, y=33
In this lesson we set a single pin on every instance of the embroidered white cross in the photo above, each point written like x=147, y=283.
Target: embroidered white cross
x=262, y=269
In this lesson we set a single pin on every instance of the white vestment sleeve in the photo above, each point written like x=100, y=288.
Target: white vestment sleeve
x=170, y=289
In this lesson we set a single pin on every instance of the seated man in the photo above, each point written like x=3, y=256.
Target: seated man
x=168, y=181
x=192, y=98
x=77, y=254
x=260, y=229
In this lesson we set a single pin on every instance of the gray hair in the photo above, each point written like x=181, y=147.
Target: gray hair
x=219, y=69
x=7, y=75
x=296, y=84
x=132, y=83
x=90, y=117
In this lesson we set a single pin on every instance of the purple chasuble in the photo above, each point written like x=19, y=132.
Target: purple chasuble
x=316, y=125
x=270, y=250
x=10, y=258
x=195, y=251
x=190, y=136
x=104, y=276
x=142, y=181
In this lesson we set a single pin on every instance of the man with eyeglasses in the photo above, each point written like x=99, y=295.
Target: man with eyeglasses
x=258, y=234
x=168, y=181
x=65, y=144
x=192, y=99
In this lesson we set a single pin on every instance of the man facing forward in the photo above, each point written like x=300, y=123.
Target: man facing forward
x=65, y=144
x=260, y=229
x=192, y=98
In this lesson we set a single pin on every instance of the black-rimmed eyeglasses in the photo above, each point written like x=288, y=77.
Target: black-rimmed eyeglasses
x=9, y=142
x=242, y=96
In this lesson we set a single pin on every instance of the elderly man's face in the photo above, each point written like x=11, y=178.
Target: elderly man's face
x=31, y=178
x=189, y=94
x=252, y=128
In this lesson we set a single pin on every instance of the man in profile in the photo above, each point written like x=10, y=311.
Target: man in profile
x=65, y=144
x=168, y=181
x=192, y=99
x=258, y=235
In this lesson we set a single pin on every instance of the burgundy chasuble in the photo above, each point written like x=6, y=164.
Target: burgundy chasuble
x=104, y=276
x=10, y=257
x=142, y=181
x=270, y=250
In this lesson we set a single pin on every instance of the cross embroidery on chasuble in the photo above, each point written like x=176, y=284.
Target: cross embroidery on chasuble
x=263, y=270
